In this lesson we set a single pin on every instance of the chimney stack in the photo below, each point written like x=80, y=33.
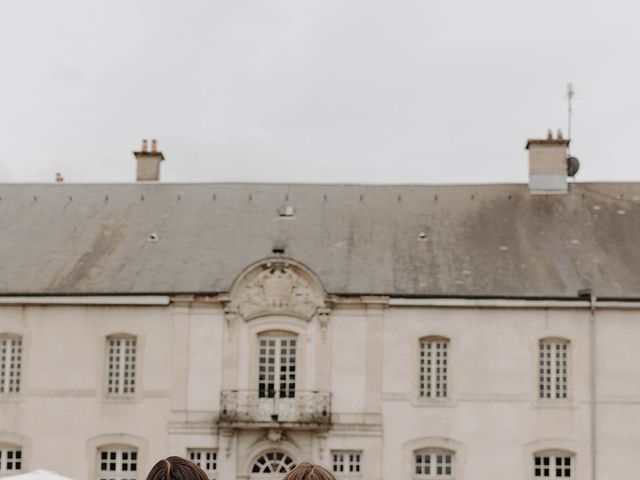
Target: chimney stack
x=548, y=167
x=148, y=163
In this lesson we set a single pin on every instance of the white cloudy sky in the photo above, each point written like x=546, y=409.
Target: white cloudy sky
x=408, y=91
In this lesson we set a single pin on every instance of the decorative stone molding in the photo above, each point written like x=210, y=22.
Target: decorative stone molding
x=275, y=435
x=230, y=317
x=324, y=315
x=227, y=441
x=277, y=287
x=261, y=446
x=322, y=446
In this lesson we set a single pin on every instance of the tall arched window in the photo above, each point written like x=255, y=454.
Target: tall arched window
x=277, y=364
x=433, y=463
x=121, y=365
x=553, y=464
x=553, y=364
x=434, y=367
x=10, y=364
x=274, y=462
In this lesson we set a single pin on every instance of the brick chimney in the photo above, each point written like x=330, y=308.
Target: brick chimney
x=548, y=164
x=148, y=162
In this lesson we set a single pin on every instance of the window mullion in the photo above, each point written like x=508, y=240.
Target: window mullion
x=121, y=369
x=277, y=363
x=556, y=371
x=553, y=375
x=432, y=370
x=4, y=368
x=119, y=453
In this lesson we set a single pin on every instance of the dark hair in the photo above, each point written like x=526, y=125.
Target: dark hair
x=176, y=468
x=309, y=471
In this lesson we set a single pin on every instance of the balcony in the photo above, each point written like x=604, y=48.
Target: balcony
x=254, y=408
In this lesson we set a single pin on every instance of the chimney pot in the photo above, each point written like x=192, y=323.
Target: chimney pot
x=144, y=145
x=154, y=145
x=549, y=135
x=559, y=135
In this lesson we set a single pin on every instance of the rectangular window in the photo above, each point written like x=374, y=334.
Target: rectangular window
x=117, y=464
x=553, y=369
x=553, y=466
x=121, y=366
x=434, y=368
x=10, y=460
x=206, y=459
x=434, y=464
x=276, y=366
x=346, y=465
x=10, y=364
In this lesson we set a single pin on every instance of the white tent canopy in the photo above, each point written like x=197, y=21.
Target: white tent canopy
x=37, y=475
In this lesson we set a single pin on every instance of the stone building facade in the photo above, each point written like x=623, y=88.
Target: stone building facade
x=416, y=332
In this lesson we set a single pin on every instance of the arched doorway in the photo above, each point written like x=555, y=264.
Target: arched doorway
x=271, y=465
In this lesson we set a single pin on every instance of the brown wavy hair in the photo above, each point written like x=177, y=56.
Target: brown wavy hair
x=176, y=468
x=309, y=471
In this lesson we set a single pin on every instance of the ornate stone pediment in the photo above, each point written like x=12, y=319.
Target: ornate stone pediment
x=277, y=287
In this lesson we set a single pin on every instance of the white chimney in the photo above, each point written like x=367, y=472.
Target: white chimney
x=148, y=162
x=548, y=168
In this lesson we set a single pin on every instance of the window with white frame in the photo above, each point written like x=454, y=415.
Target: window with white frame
x=434, y=367
x=273, y=462
x=10, y=459
x=206, y=459
x=117, y=463
x=10, y=364
x=433, y=464
x=346, y=464
x=121, y=366
x=553, y=366
x=553, y=465
x=276, y=365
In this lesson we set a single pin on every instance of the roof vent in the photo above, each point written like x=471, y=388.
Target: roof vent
x=549, y=165
x=286, y=211
x=148, y=162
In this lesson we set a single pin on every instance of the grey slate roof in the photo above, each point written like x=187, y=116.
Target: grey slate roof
x=480, y=240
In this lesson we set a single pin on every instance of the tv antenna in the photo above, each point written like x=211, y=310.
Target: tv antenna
x=570, y=94
x=572, y=162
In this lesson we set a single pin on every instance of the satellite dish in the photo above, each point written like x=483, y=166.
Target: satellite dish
x=573, y=165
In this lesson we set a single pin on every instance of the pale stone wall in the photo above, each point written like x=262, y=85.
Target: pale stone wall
x=62, y=409
x=367, y=356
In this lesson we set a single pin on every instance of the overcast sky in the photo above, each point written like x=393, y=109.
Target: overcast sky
x=349, y=91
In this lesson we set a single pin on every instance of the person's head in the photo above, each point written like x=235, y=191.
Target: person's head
x=309, y=471
x=176, y=468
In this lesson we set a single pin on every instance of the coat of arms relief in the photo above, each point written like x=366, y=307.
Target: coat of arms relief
x=277, y=288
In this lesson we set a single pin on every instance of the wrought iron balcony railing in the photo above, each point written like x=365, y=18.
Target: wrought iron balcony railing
x=259, y=406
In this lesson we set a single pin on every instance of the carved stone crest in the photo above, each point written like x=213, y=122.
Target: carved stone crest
x=275, y=435
x=277, y=287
